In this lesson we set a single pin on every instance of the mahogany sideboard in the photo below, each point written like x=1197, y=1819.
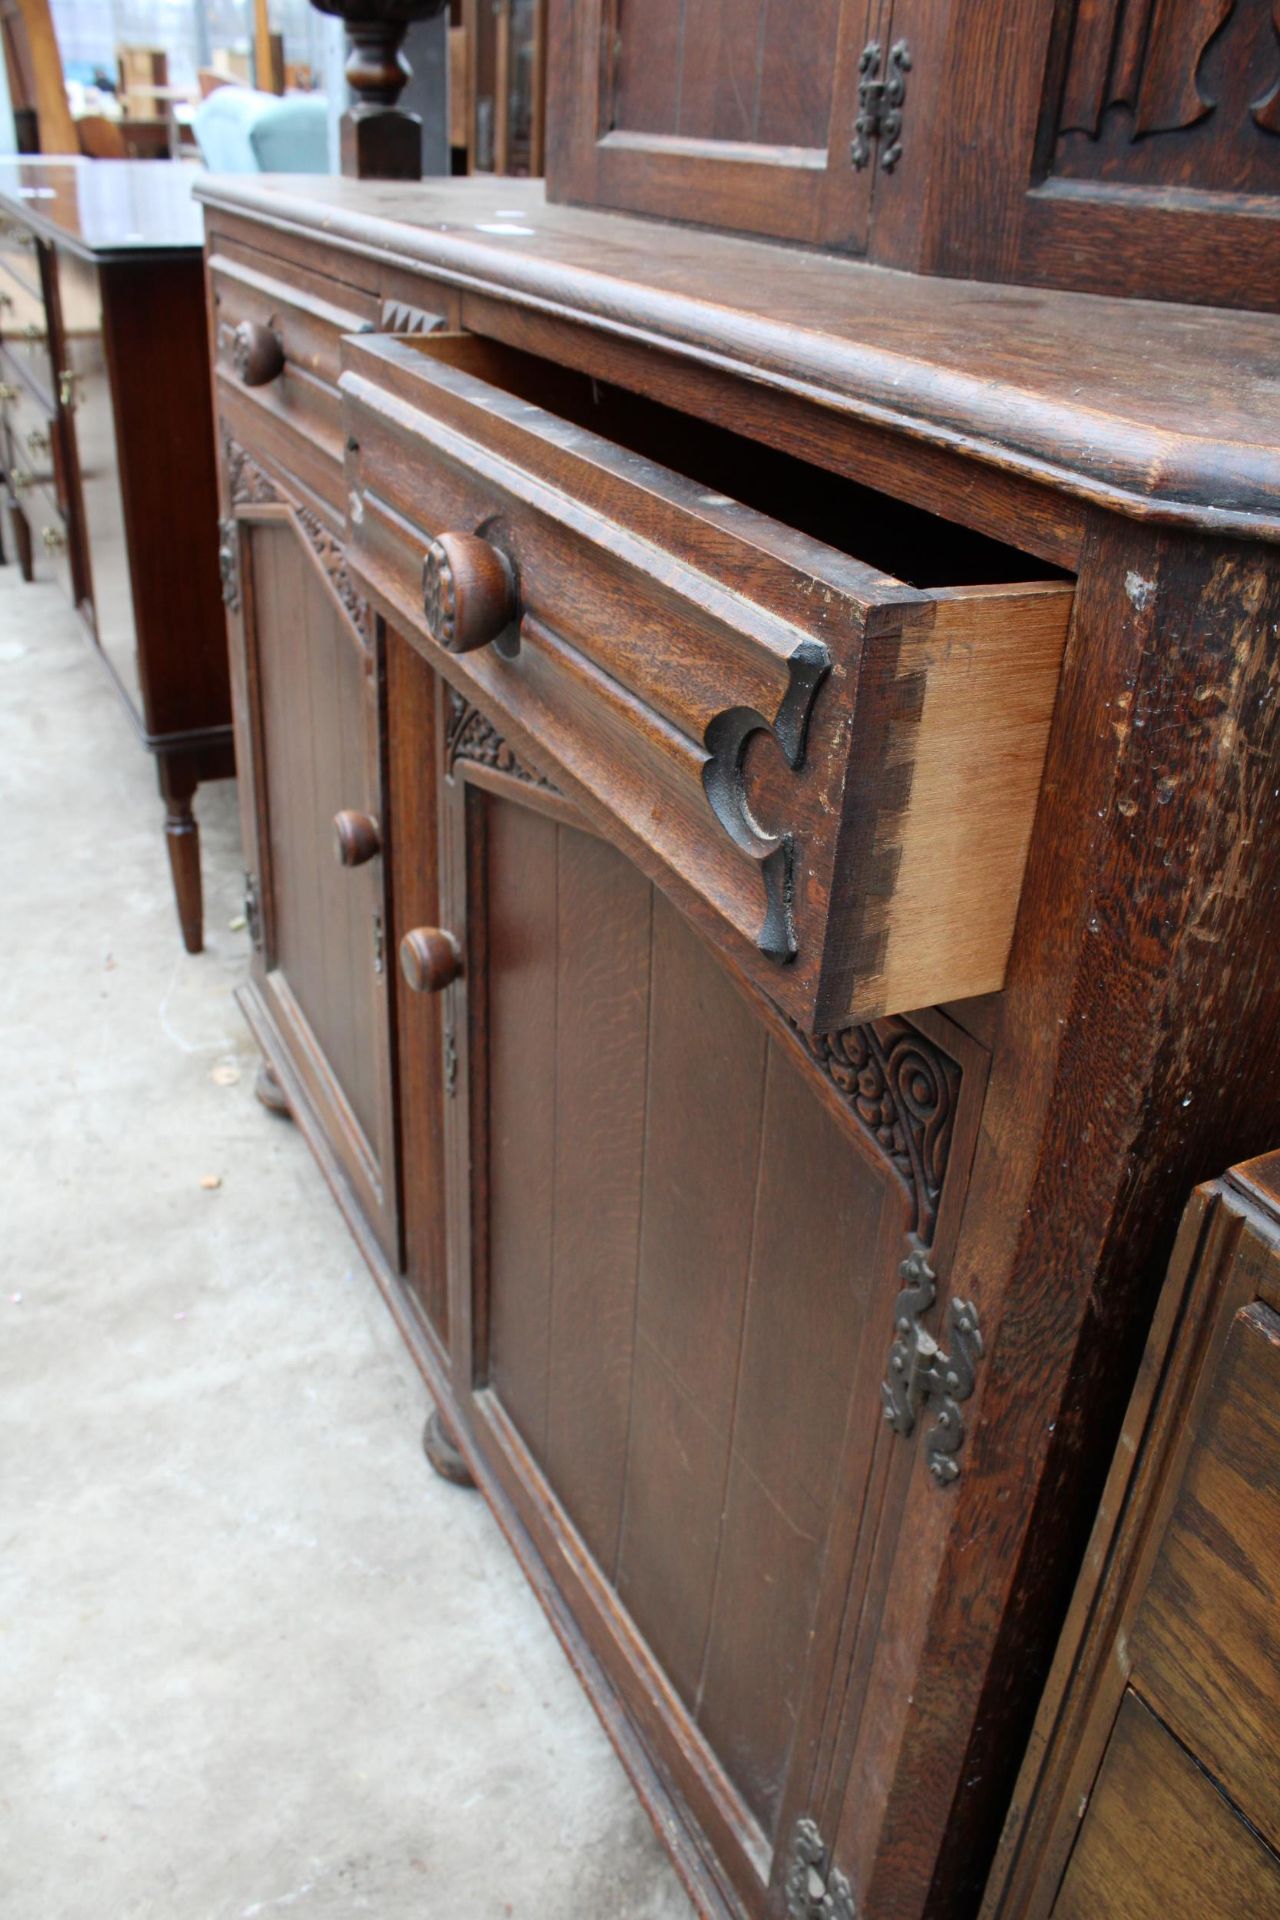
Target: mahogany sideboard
x=107, y=461
x=1152, y=1782
x=760, y=785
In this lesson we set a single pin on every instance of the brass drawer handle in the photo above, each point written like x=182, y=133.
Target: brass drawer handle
x=257, y=353
x=53, y=539
x=470, y=594
x=430, y=959
x=357, y=837
x=37, y=443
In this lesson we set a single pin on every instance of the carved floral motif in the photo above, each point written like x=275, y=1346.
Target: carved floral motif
x=469, y=735
x=249, y=485
x=902, y=1089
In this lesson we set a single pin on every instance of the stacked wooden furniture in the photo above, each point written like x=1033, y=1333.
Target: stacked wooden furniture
x=760, y=787
x=107, y=456
x=1152, y=1784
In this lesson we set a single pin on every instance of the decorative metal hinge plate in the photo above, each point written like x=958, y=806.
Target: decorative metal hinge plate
x=880, y=103
x=252, y=911
x=921, y=1374
x=229, y=564
x=815, y=1889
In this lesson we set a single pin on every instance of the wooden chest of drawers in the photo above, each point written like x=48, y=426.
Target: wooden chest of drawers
x=1152, y=1785
x=106, y=445
x=782, y=768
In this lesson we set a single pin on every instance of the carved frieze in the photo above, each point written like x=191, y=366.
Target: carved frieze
x=470, y=735
x=249, y=485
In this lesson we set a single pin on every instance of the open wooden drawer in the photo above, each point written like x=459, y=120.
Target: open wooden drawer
x=832, y=772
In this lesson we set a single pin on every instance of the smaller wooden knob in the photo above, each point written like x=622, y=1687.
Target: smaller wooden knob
x=430, y=959
x=356, y=837
x=257, y=353
x=469, y=591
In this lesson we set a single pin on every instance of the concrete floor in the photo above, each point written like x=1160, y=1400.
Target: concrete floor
x=255, y=1659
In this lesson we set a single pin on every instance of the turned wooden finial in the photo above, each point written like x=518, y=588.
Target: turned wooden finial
x=379, y=140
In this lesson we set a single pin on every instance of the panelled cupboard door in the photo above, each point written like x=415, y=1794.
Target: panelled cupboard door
x=1152, y=1785
x=739, y=117
x=677, y=1232
x=307, y=714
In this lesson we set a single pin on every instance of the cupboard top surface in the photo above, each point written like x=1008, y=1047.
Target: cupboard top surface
x=105, y=209
x=1158, y=411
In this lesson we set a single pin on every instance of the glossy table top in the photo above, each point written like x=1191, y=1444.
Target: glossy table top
x=106, y=209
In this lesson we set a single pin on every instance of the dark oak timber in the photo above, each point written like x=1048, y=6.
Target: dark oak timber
x=819, y=726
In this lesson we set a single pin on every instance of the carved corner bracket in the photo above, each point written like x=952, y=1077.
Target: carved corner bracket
x=815, y=1889
x=249, y=485
x=726, y=739
x=903, y=1090
x=470, y=735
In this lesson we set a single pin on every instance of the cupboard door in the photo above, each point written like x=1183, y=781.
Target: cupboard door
x=309, y=727
x=739, y=117
x=676, y=1236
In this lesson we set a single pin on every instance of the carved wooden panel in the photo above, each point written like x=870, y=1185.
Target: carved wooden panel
x=1169, y=92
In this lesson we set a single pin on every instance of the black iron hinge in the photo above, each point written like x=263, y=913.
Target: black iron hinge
x=881, y=94
x=252, y=910
x=921, y=1375
x=815, y=1889
x=229, y=563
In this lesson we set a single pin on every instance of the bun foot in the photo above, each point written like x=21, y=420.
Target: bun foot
x=270, y=1092
x=438, y=1445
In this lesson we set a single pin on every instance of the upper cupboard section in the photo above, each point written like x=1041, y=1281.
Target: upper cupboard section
x=1114, y=146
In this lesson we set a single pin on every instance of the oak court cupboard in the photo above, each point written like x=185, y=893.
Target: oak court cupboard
x=759, y=787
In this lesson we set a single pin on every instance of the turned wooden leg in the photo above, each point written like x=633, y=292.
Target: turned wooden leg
x=183, y=838
x=438, y=1445
x=270, y=1092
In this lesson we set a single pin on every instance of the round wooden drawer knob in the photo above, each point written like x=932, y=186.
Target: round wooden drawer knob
x=257, y=353
x=356, y=837
x=430, y=959
x=469, y=592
